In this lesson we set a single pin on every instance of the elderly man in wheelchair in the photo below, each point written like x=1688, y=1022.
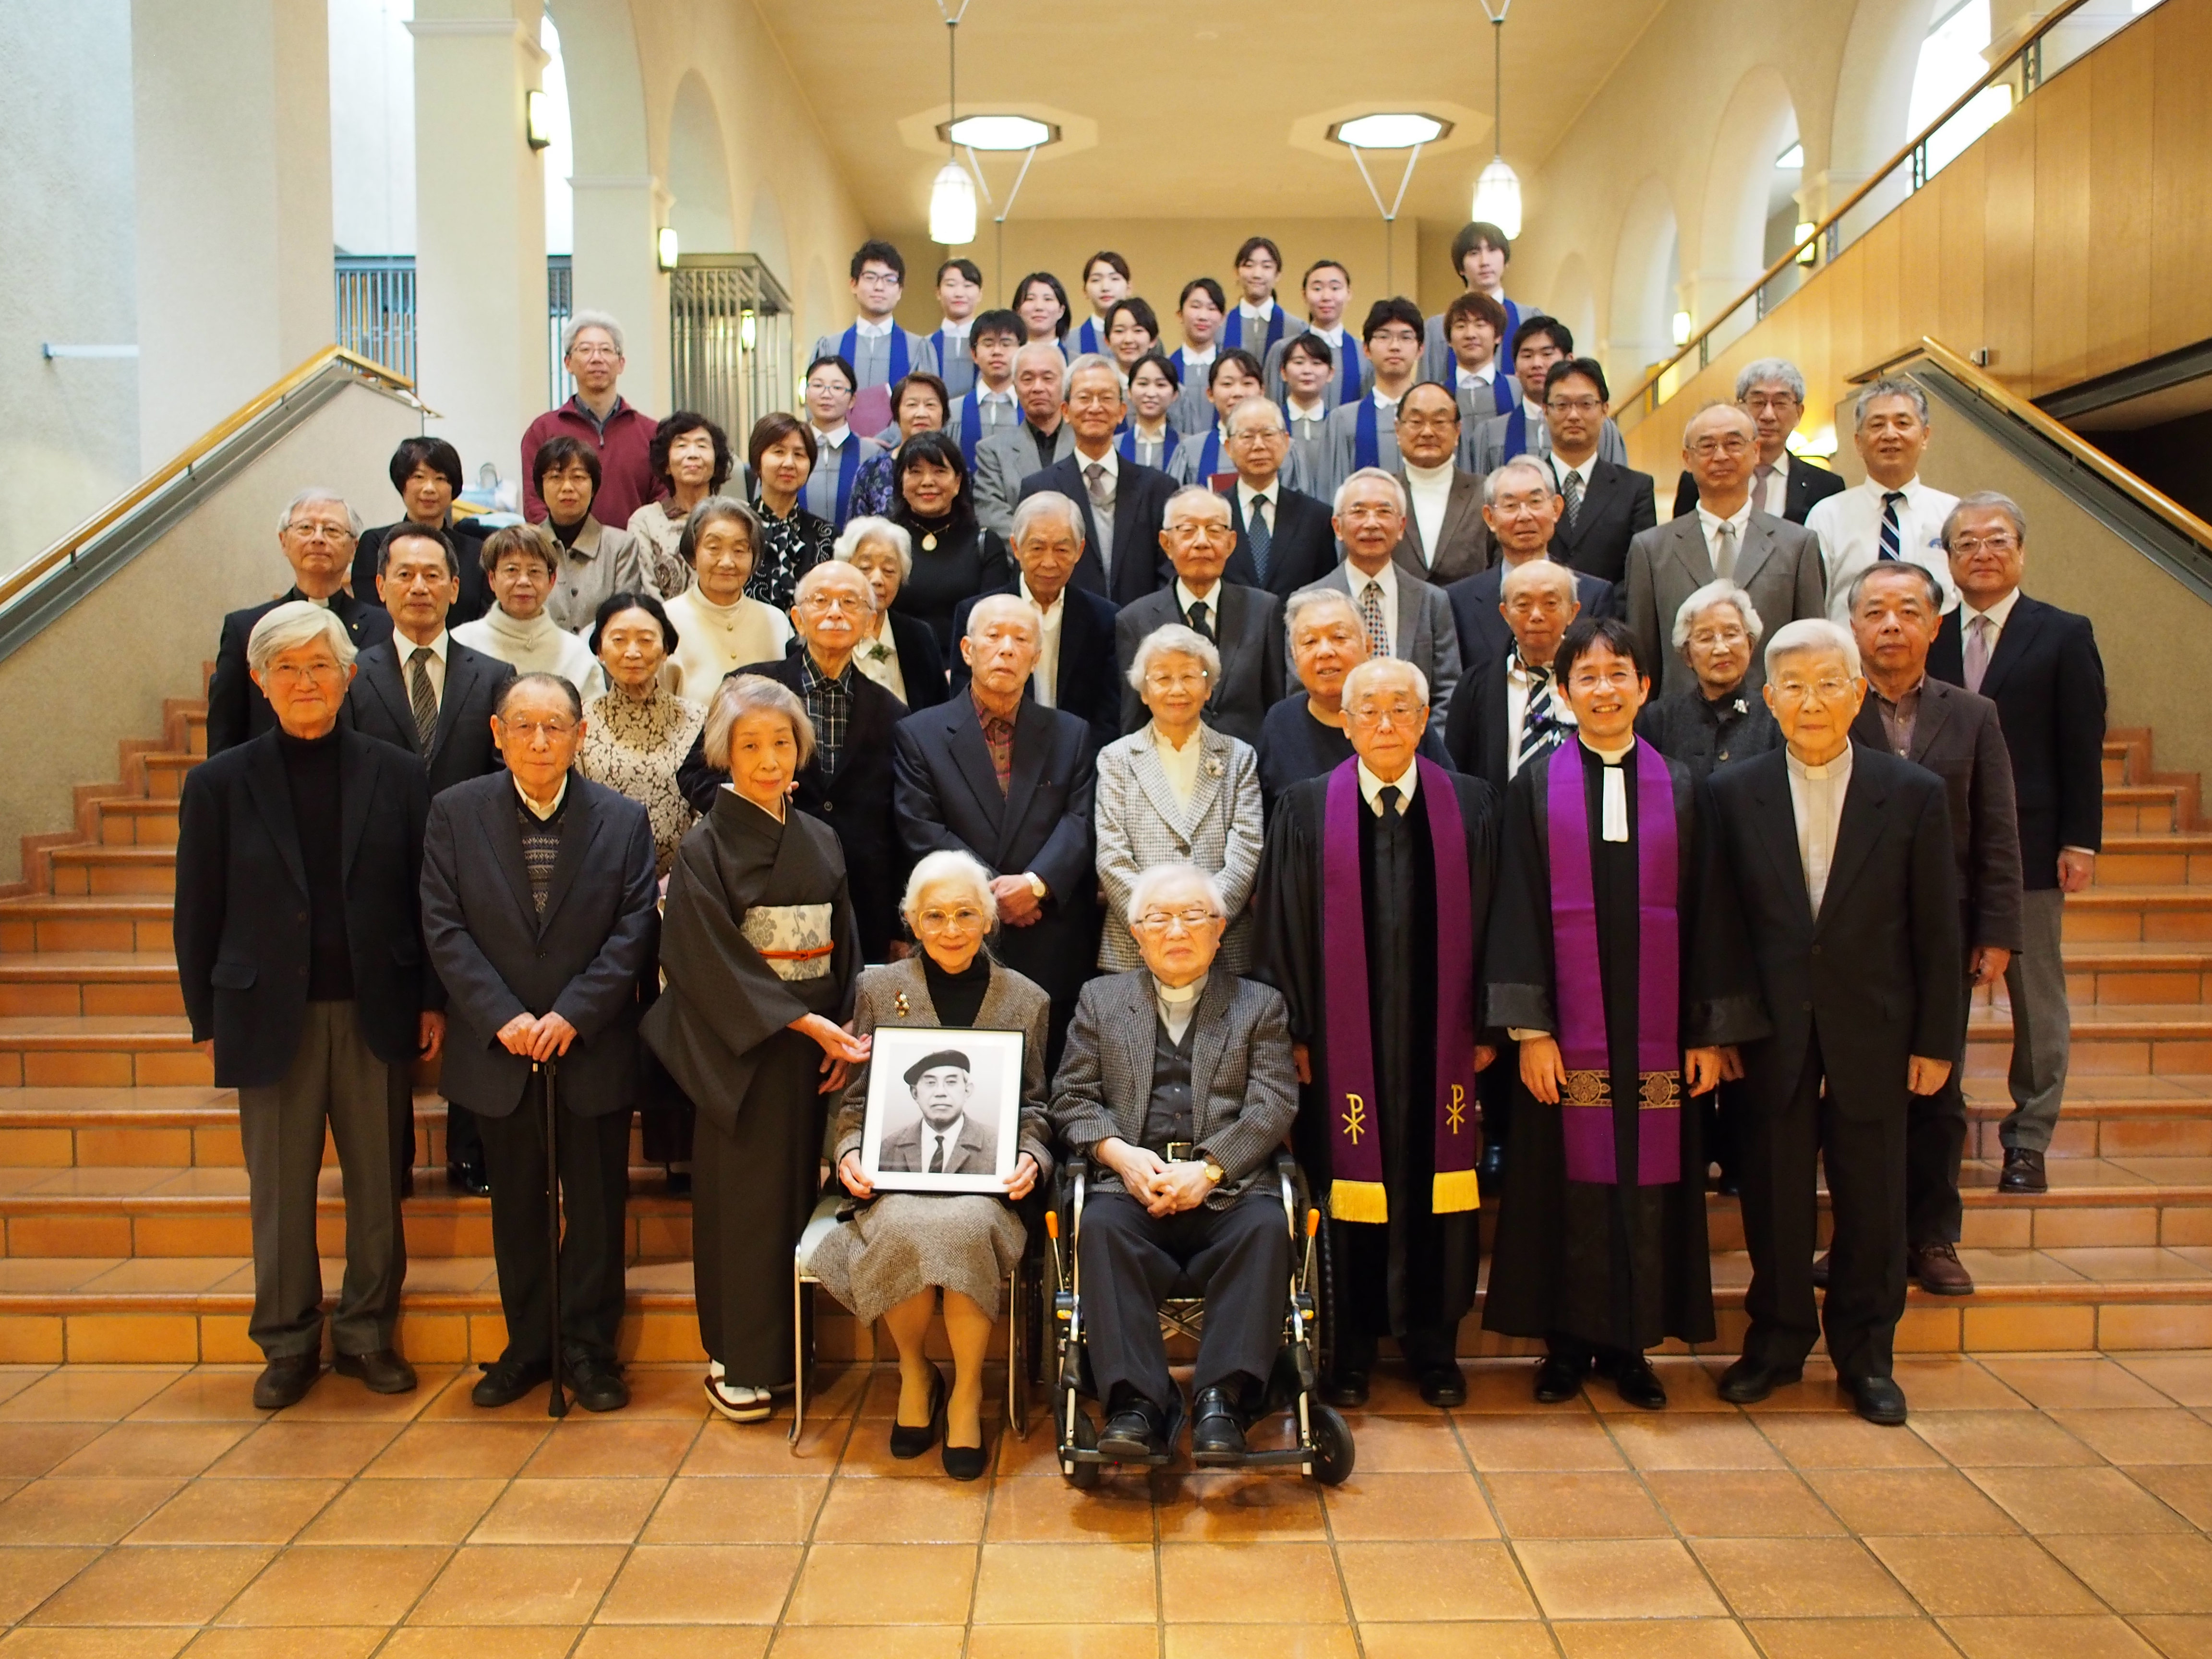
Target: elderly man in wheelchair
x=1174, y=1099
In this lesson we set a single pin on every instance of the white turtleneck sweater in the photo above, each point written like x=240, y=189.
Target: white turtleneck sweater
x=713, y=639
x=538, y=646
x=1428, y=489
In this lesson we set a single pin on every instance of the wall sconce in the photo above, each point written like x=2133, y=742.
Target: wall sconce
x=1681, y=328
x=748, y=329
x=538, y=120
x=1809, y=252
x=665, y=247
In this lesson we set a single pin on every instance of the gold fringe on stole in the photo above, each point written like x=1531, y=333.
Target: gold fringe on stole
x=1359, y=1200
x=1453, y=1190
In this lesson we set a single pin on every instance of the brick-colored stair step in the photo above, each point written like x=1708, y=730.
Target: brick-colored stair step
x=136, y=820
x=2108, y=1038
x=94, y=868
x=165, y=772
x=114, y=1050
x=2142, y=808
x=2105, y=914
x=110, y=922
x=90, y=982
x=2132, y=860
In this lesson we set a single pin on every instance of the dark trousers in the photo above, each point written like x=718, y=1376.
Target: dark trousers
x=1935, y=1140
x=1720, y=1113
x=334, y=1079
x=1493, y=1088
x=464, y=1138
x=1864, y=1158
x=1237, y=1258
x=594, y=1164
x=1426, y=1347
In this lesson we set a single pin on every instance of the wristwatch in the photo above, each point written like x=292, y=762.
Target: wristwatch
x=1037, y=884
x=1214, y=1173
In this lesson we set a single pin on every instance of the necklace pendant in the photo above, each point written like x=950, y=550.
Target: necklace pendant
x=929, y=543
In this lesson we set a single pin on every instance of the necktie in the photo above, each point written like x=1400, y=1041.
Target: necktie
x=1197, y=618
x=1261, y=535
x=424, y=700
x=936, y=1157
x=1540, y=726
x=1761, y=476
x=1892, y=533
x=1370, y=612
x=1724, y=552
x=1571, y=488
x=1978, y=630
x=1389, y=797
x=1101, y=488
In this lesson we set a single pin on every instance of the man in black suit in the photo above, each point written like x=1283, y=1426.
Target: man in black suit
x=316, y=531
x=1121, y=502
x=1772, y=392
x=538, y=908
x=2039, y=665
x=1511, y=710
x=1284, y=538
x=301, y=956
x=1838, y=862
x=438, y=709
x=1895, y=606
x=846, y=781
x=1521, y=509
x=1076, y=668
x=997, y=775
x=1244, y=623
x=1446, y=539
x=1604, y=506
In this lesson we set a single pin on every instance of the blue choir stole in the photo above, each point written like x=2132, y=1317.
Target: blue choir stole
x=1209, y=456
x=1516, y=431
x=849, y=347
x=1233, y=334
x=1127, y=446
x=1366, y=441
x=1086, y=338
x=848, y=466
x=971, y=429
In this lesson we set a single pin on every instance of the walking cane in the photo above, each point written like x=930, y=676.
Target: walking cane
x=557, y=1403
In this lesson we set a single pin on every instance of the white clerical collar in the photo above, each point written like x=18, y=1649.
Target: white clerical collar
x=1610, y=756
x=542, y=813
x=1178, y=996
x=1839, y=770
x=868, y=330
x=1406, y=783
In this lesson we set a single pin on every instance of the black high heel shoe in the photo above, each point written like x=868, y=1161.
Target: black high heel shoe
x=908, y=1443
x=967, y=1462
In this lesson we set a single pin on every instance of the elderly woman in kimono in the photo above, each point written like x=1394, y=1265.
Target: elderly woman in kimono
x=760, y=953
x=893, y=1252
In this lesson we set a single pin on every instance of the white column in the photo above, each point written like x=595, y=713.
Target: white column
x=231, y=107
x=479, y=226
x=618, y=216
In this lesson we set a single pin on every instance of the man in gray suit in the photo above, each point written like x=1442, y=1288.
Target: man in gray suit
x=1244, y=623
x=1445, y=536
x=957, y=1143
x=1004, y=460
x=1538, y=343
x=1178, y=1085
x=1405, y=617
x=1777, y=562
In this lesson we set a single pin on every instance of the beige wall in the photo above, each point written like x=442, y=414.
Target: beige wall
x=100, y=673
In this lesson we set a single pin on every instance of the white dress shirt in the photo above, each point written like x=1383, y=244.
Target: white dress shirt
x=1429, y=492
x=1406, y=783
x=996, y=410
x=1613, y=791
x=1999, y=614
x=1849, y=526
x=1316, y=411
x=1195, y=362
x=1272, y=495
x=405, y=648
x=1777, y=493
x=1583, y=471
x=940, y=1146
x=1180, y=765
x=1516, y=709
x=1387, y=580
x=542, y=813
x=1211, y=600
x=1816, y=798
x=880, y=660
x=1464, y=377
x=1710, y=522
x=954, y=332
x=1044, y=678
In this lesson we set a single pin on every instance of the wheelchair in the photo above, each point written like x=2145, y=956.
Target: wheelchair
x=1324, y=1450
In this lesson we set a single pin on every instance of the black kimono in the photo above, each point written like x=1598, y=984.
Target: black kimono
x=720, y=1027
x=1412, y=1277
x=1618, y=1268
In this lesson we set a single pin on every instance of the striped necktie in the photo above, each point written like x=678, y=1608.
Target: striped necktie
x=1893, y=532
x=1570, y=486
x=1540, y=724
x=425, y=701
x=1260, y=538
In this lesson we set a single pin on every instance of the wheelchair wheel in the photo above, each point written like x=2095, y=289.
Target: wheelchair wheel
x=1085, y=1477
x=1333, y=1453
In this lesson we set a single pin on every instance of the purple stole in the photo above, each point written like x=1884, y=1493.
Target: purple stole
x=849, y=347
x=1356, y=1191
x=1586, y=1103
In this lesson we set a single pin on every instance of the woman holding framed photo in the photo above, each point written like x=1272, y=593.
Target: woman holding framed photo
x=896, y=1250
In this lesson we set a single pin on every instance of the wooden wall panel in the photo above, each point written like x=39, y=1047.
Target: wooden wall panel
x=1962, y=196
x=1920, y=256
x=2062, y=114
x=1880, y=275
x=2124, y=81
x=2180, y=172
x=2008, y=208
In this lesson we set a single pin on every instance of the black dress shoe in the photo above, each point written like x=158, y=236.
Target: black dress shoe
x=1217, y=1429
x=1877, y=1399
x=1821, y=1271
x=1637, y=1383
x=1345, y=1388
x=467, y=1175
x=1135, y=1432
x=509, y=1379
x=598, y=1385
x=1747, y=1381
x=1558, y=1381
x=679, y=1183
x=907, y=1443
x=381, y=1372
x=967, y=1462
x=1443, y=1386
x=1728, y=1186
x=2023, y=1172
x=285, y=1380
x=1490, y=1168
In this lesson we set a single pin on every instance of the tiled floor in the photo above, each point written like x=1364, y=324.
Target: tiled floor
x=2035, y=1506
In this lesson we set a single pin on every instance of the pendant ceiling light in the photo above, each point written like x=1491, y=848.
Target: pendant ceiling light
x=952, y=193
x=1497, y=191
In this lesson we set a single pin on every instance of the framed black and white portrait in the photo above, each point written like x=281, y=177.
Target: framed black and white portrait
x=943, y=1109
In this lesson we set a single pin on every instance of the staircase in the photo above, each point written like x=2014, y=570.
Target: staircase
x=123, y=1231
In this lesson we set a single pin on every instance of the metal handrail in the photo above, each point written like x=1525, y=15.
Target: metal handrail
x=63, y=551
x=1998, y=72
x=2148, y=496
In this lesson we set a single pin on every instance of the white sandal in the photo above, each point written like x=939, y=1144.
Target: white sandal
x=735, y=1400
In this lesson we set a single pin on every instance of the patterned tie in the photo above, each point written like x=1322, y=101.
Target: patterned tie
x=936, y=1157
x=1761, y=476
x=1539, y=724
x=1261, y=535
x=1977, y=651
x=1197, y=619
x=1892, y=533
x=1101, y=488
x=424, y=700
x=1724, y=552
x=1370, y=612
x=1571, y=488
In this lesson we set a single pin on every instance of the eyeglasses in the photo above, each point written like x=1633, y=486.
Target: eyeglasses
x=1396, y=713
x=1711, y=636
x=1095, y=398
x=822, y=604
x=320, y=530
x=1588, y=680
x=1370, y=512
x=1193, y=681
x=528, y=730
x=1574, y=405
x=879, y=279
x=292, y=674
x=1190, y=918
x=936, y=921
x=1259, y=434
x=595, y=354
x=1429, y=423
x=1774, y=403
x=2004, y=542
x=1705, y=448
x=1823, y=691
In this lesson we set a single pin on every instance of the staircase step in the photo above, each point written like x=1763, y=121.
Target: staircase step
x=99, y=1050
x=2136, y=970
x=165, y=772
x=137, y=821
x=2143, y=808
x=90, y=982
x=2108, y=1038
x=110, y=922
x=98, y=869
x=2141, y=861
x=2170, y=913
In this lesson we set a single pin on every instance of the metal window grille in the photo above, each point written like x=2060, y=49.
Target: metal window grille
x=560, y=305
x=729, y=340
x=375, y=299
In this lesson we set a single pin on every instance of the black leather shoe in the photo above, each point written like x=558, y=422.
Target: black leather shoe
x=1558, y=1381
x=466, y=1175
x=1134, y=1433
x=907, y=1443
x=2023, y=1172
x=1877, y=1399
x=381, y=1372
x=1747, y=1382
x=1345, y=1388
x=1637, y=1383
x=679, y=1183
x=1490, y=1168
x=509, y=1379
x=1217, y=1429
x=1728, y=1186
x=967, y=1462
x=285, y=1380
x=598, y=1385
x=1821, y=1271
x=1443, y=1386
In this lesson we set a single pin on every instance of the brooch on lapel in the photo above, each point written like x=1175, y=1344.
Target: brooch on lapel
x=900, y=1003
x=1741, y=706
x=1214, y=768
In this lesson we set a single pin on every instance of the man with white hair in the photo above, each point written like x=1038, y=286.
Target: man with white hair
x=1892, y=514
x=1771, y=391
x=996, y=775
x=1511, y=709
x=1122, y=502
x=1007, y=458
x=1245, y=624
x=316, y=532
x=1837, y=859
x=1304, y=735
x=1522, y=507
x=1404, y=617
x=300, y=950
x=1283, y=536
x=597, y=417
x=1374, y=897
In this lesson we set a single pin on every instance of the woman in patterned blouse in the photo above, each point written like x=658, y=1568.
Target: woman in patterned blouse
x=637, y=732
x=691, y=458
x=919, y=404
x=782, y=455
